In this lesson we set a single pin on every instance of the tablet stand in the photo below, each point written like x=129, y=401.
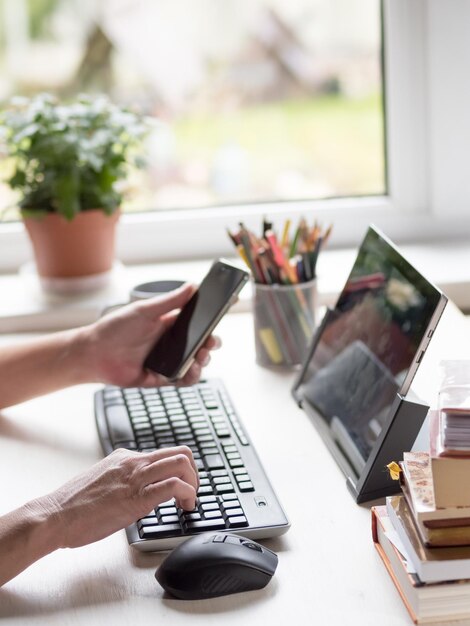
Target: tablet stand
x=367, y=479
x=403, y=425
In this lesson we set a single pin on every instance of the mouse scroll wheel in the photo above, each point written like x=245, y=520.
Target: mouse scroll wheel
x=252, y=546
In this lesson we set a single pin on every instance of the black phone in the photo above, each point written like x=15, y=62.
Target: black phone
x=174, y=351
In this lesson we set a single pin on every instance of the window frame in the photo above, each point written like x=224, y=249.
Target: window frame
x=420, y=95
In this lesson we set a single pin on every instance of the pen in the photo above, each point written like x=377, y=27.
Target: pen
x=293, y=247
x=279, y=257
x=285, y=235
x=266, y=225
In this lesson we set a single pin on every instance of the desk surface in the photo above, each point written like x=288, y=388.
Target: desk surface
x=329, y=572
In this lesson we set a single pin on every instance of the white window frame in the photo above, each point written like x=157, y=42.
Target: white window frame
x=427, y=102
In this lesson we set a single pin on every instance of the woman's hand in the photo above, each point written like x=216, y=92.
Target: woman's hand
x=118, y=343
x=119, y=490
x=111, y=495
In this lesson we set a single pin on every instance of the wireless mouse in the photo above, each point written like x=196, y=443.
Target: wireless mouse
x=211, y=565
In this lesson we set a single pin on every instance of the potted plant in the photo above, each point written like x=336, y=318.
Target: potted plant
x=67, y=163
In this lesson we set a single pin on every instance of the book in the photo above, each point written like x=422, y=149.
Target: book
x=450, y=432
x=454, y=405
x=431, y=564
x=436, y=526
x=454, y=431
x=425, y=602
x=450, y=474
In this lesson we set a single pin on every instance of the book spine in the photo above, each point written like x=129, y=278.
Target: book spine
x=375, y=536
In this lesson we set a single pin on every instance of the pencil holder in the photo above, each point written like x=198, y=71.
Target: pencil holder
x=284, y=321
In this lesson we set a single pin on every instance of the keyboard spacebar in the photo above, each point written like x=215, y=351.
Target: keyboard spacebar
x=119, y=425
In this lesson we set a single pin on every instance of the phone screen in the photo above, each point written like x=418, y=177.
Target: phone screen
x=196, y=320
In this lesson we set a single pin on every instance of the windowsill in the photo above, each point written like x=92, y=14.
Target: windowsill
x=24, y=307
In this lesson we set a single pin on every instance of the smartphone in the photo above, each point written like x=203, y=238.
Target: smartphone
x=174, y=351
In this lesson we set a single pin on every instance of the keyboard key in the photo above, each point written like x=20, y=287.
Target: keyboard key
x=174, y=410
x=235, y=512
x=182, y=430
x=170, y=519
x=213, y=514
x=128, y=445
x=112, y=394
x=204, y=499
x=222, y=432
x=145, y=438
x=224, y=488
x=201, y=430
x=140, y=420
x=235, y=463
x=168, y=510
x=203, y=439
x=134, y=400
x=147, y=521
x=192, y=517
x=218, y=419
x=228, y=496
x=152, y=400
x=204, y=490
x=246, y=486
x=237, y=521
x=146, y=445
x=120, y=428
x=231, y=504
x=210, y=524
x=195, y=421
x=167, y=441
x=162, y=431
x=143, y=428
x=155, y=532
x=219, y=472
x=239, y=470
x=220, y=480
x=214, y=461
x=210, y=506
x=242, y=478
x=177, y=425
x=140, y=413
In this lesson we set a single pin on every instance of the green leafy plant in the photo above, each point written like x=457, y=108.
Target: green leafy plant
x=68, y=158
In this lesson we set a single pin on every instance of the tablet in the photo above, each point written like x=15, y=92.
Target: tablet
x=365, y=354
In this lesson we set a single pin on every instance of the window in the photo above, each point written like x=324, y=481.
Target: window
x=225, y=154
x=258, y=100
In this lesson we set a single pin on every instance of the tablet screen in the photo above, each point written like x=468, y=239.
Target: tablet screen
x=368, y=348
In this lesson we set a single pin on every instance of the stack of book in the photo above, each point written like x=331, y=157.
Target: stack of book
x=423, y=536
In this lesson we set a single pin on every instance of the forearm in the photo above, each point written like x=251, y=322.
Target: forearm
x=26, y=535
x=43, y=365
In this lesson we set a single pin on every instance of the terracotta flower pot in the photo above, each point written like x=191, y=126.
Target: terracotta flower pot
x=81, y=247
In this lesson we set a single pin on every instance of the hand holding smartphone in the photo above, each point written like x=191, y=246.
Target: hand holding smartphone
x=175, y=350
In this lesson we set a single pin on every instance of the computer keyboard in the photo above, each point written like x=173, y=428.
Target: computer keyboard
x=234, y=493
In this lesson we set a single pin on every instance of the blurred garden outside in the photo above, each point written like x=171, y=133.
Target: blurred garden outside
x=284, y=104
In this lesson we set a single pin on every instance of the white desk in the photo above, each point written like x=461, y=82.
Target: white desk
x=329, y=573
